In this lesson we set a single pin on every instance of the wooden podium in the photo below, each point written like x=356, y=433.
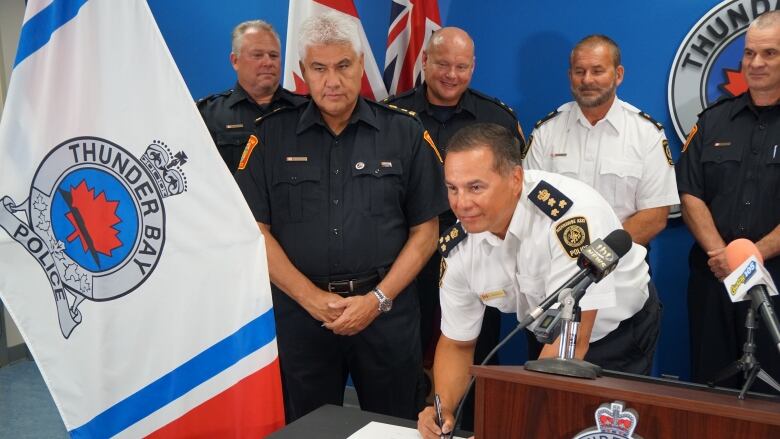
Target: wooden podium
x=512, y=402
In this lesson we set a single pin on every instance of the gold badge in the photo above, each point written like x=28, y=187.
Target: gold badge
x=454, y=233
x=543, y=195
x=562, y=204
x=492, y=295
x=551, y=201
x=668, y=152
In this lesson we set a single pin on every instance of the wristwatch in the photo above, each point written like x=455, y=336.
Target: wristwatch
x=385, y=303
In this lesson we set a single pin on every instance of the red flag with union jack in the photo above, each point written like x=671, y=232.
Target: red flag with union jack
x=411, y=24
x=300, y=10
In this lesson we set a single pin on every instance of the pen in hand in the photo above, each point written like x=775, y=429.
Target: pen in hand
x=439, y=418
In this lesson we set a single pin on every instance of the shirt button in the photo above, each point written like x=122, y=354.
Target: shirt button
x=741, y=228
x=337, y=171
x=335, y=201
x=293, y=178
x=761, y=126
x=747, y=203
x=336, y=231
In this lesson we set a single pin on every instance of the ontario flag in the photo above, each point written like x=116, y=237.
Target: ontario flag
x=128, y=257
x=372, y=87
x=411, y=24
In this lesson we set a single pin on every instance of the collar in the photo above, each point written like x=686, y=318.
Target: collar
x=239, y=94
x=311, y=115
x=741, y=103
x=614, y=117
x=467, y=101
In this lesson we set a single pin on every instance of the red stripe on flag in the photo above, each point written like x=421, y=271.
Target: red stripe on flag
x=365, y=87
x=399, y=27
x=345, y=6
x=253, y=407
x=421, y=11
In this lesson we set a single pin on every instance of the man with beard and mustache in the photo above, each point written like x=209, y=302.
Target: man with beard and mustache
x=230, y=115
x=608, y=143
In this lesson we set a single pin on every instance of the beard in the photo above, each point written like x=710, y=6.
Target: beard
x=604, y=95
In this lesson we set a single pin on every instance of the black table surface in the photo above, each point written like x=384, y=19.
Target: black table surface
x=336, y=422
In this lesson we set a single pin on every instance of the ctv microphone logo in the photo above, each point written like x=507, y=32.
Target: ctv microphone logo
x=707, y=66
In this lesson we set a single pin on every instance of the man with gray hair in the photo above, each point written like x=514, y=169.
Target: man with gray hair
x=230, y=115
x=347, y=193
x=729, y=181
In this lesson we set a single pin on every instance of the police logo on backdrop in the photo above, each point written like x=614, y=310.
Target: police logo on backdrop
x=707, y=66
x=95, y=219
x=612, y=422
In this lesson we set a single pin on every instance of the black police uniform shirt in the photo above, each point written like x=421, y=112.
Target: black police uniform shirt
x=342, y=205
x=731, y=161
x=473, y=107
x=230, y=117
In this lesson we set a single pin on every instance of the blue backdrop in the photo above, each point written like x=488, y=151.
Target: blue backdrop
x=522, y=57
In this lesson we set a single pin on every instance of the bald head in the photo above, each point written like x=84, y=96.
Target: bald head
x=766, y=20
x=450, y=37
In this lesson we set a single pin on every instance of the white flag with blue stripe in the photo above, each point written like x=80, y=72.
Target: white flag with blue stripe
x=129, y=260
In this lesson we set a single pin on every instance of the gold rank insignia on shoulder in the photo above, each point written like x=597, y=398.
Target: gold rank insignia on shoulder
x=452, y=237
x=573, y=234
x=549, y=200
x=653, y=121
x=234, y=125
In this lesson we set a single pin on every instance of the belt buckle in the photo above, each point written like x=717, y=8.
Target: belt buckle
x=333, y=286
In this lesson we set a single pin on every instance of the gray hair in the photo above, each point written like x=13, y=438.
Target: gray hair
x=243, y=28
x=328, y=28
x=504, y=145
x=767, y=19
x=598, y=40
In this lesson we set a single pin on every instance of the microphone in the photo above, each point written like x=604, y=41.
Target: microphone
x=595, y=261
x=743, y=252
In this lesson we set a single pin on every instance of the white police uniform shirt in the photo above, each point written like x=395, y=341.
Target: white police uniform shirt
x=625, y=156
x=537, y=256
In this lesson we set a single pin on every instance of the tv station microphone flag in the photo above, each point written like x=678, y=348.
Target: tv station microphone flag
x=128, y=258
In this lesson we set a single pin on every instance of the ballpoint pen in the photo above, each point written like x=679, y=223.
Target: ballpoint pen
x=439, y=418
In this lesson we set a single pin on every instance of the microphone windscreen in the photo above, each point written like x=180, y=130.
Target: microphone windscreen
x=619, y=241
x=739, y=250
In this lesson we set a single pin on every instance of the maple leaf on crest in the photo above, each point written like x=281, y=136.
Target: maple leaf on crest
x=93, y=218
x=735, y=83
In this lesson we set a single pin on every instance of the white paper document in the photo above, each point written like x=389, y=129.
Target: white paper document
x=379, y=430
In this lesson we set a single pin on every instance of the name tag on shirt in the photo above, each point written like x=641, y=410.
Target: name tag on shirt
x=297, y=159
x=235, y=125
x=490, y=295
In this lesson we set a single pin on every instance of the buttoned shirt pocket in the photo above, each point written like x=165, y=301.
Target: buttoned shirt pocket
x=530, y=292
x=231, y=145
x=295, y=189
x=619, y=182
x=721, y=165
x=379, y=185
x=566, y=166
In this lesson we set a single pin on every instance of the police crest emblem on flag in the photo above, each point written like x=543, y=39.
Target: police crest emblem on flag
x=95, y=219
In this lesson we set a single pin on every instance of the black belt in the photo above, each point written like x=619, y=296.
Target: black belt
x=350, y=286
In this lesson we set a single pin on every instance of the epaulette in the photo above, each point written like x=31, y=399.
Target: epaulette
x=399, y=109
x=653, y=121
x=549, y=116
x=495, y=100
x=394, y=97
x=211, y=97
x=549, y=200
x=451, y=238
x=717, y=103
x=279, y=110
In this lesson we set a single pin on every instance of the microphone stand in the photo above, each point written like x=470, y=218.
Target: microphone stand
x=565, y=363
x=748, y=364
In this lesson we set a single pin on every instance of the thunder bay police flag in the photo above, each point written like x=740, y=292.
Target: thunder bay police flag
x=128, y=258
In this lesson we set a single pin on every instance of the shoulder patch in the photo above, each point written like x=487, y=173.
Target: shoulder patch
x=428, y=139
x=250, y=146
x=452, y=237
x=573, y=234
x=667, y=152
x=274, y=111
x=442, y=270
x=690, y=137
x=653, y=121
x=495, y=100
x=549, y=116
x=549, y=200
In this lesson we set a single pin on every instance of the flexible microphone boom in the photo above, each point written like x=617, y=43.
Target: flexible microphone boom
x=737, y=252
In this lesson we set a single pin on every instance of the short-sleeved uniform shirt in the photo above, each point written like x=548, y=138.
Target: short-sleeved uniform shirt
x=342, y=205
x=230, y=117
x=625, y=156
x=731, y=161
x=472, y=108
x=555, y=216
